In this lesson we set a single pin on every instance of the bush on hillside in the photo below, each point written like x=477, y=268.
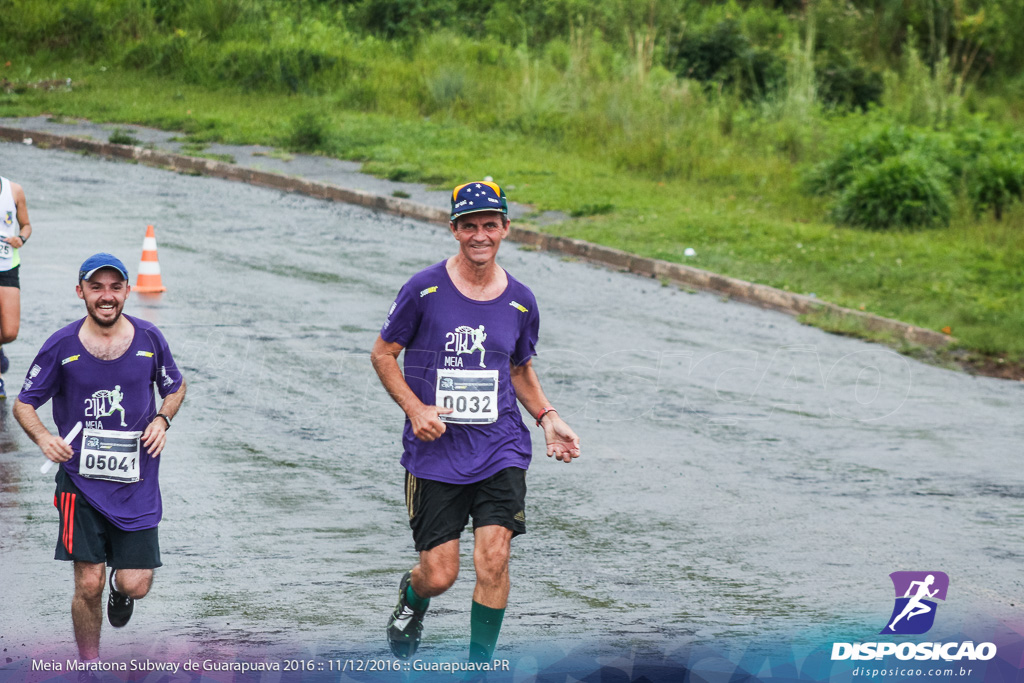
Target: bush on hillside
x=905, y=191
x=724, y=56
x=846, y=84
x=309, y=132
x=837, y=173
x=996, y=181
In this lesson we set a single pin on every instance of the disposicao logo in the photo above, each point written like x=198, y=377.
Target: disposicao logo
x=917, y=596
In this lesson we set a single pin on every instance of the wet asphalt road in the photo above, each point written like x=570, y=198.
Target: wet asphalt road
x=744, y=477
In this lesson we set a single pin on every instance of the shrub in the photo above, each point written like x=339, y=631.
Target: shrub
x=909, y=190
x=724, y=55
x=122, y=136
x=844, y=83
x=310, y=132
x=996, y=180
x=837, y=173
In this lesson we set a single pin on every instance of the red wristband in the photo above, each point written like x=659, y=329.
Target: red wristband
x=543, y=413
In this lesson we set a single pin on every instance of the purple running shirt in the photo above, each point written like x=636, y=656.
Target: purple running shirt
x=113, y=395
x=458, y=354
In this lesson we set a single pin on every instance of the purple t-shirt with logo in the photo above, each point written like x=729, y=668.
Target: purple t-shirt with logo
x=110, y=395
x=441, y=328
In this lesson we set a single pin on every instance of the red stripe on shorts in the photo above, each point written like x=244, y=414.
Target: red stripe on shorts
x=64, y=519
x=67, y=507
x=71, y=524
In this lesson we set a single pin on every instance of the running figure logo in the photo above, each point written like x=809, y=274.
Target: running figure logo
x=916, y=595
x=469, y=340
x=103, y=404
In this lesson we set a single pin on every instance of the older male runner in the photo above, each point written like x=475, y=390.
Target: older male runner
x=466, y=447
x=14, y=232
x=108, y=490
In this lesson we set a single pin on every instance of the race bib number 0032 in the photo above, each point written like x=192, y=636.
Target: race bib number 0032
x=471, y=394
x=109, y=455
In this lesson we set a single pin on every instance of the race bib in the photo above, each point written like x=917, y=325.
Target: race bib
x=109, y=455
x=6, y=250
x=471, y=394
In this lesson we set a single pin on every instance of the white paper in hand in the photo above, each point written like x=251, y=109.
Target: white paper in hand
x=67, y=439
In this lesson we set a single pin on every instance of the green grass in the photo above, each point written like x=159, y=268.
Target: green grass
x=733, y=195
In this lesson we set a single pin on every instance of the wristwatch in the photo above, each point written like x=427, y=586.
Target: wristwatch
x=166, y=419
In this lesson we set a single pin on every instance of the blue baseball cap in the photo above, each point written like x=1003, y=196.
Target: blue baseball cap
x=98, y=262
x=479, y=196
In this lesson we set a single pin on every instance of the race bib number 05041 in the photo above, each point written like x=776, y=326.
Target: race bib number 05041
x=109, y=455
x=471, y=394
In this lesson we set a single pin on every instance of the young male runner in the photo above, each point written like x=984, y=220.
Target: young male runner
x=14, y=232
x=466, y=447
x=101, y=371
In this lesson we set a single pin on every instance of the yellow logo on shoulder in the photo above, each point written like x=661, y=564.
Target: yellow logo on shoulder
x=517, y=305
x=70, y=359
x=428, y=290
x=144, y=354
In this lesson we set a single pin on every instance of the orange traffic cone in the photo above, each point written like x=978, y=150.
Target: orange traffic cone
x=149, y=281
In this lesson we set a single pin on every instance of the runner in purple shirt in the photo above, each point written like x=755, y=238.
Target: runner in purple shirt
x=100, y=371
x=468, y=330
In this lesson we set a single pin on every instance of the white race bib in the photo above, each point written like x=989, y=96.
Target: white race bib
x=110, y=455
x=471, y=394
x=6, y=250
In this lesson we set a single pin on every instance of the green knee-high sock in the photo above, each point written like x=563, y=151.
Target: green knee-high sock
x=484, y=625
x=416, y=602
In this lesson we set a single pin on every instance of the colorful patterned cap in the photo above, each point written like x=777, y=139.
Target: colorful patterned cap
x=479, y=196
x=98, y=262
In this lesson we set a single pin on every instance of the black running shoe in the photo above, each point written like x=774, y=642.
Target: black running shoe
x=405, y=625
x=119, y=605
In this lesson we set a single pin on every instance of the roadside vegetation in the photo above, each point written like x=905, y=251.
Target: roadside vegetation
x=866, y=152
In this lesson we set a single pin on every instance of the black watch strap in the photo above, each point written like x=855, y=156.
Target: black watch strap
x=166, y=419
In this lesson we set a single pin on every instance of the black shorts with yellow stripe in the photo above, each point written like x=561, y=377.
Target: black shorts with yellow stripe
x=86, y=535
x=438, y=511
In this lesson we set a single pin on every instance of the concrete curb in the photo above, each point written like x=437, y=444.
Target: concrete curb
x=748, y=292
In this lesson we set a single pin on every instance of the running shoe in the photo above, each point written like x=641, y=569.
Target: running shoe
x=119, y=605
x=405, y=625
x=5, y=362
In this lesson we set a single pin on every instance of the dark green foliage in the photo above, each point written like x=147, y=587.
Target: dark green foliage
x=723, y=55
x=844, y=83
x=122, y=136
x=310, y=132
x=981, y=160
x=996, y=181
x=592, y=210
x=909, y=190
x=837, y=173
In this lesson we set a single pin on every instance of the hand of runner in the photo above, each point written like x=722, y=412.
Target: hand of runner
x=425, y=424
x=155, y=436
x=562, y=442
x=55, y=449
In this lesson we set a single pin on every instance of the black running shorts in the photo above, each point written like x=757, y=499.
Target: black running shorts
x=10, y=278
x=87, y=536
x=438, y=512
